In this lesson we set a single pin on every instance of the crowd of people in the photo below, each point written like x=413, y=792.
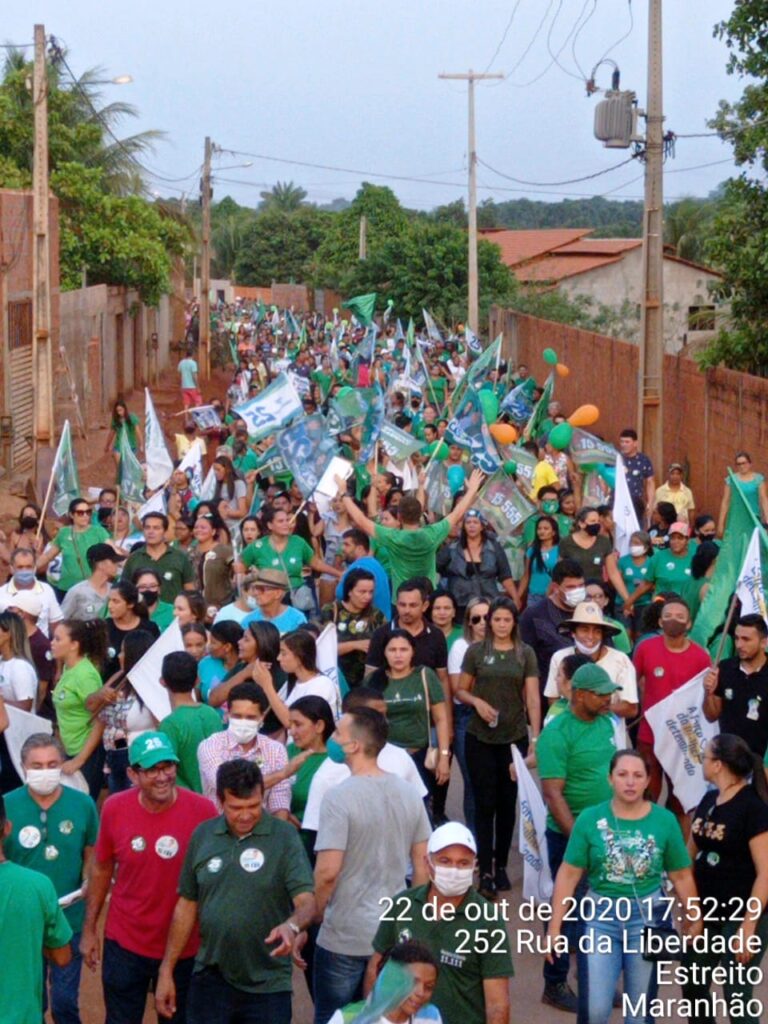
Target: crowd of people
x=287, y=813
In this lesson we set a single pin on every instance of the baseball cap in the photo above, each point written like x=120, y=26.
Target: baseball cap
x=272, y=578
x=27, y=601
x=150, y=749
x=681, y=528
x=453, y=833
x=102, y=553
x=594, y=678
x=675, y=465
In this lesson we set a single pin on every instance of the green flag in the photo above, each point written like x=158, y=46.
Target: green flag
x=741, y=523
x=261, y=312
x=539, y=414
x=131, y=477
x=66, y=483
x=479, y=368
x=362, y=306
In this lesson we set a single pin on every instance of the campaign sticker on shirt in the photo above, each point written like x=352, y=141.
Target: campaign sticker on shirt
x=342, y=627
x=292, y=561
x=51, y=853
x=66, y=827
x=658, y=671
x=111, y=652
x=29, y=837
x=728, y=694
x=359, y=627
x=596, y=560
x=214, y=865
x=90, y=607
x=167, y=847
x=167, y=575
x=251, y=859
x=670, y=565
x=713, y=859
x=138, y=844
x=635, y=472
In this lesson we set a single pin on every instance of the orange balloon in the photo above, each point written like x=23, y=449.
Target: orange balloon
x=584, y=416
x=504, y=433
x=562, y=370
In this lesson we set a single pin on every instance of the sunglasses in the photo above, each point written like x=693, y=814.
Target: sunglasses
x=81, y=512
x=474, y=619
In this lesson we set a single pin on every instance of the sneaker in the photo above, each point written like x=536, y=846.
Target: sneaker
x=501, y=878
x=487, y=887
x=561, y=997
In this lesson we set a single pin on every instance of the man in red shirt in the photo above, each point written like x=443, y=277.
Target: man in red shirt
x=664, y=663
x=144, y=833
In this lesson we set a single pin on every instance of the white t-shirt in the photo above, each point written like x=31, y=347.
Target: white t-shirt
x=428, y=1014
x=456, y=658
x=317, y=686
x=18, y=680
x=50, y=613
x=231, y=613
x=616, y=664
x=391, y=759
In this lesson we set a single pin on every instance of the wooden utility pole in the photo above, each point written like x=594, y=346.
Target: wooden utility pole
x=470, y=77
x=205, y=266
x=362, y=252
x=651, y=355
x=42, y=363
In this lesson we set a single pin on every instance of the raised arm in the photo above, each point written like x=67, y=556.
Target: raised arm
x=463, y=505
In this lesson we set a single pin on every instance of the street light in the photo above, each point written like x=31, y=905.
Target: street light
x=117, y=80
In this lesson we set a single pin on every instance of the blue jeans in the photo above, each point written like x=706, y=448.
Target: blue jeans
x=557, y=973
x=599, y=972
x=65, y=986
x=461, y=716
x=212, y=1000
x=338, y=981
x=127, y=977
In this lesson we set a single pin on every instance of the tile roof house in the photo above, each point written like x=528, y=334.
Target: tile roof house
x=608, y=272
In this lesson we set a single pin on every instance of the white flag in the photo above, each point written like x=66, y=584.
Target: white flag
x=159, y=462
x=145, y=674
x=624, y=514
x=532, y=843
x=194, y=460
x=155, y=504
x=21, y=725
x=271, y=409
x=328, y=659
x=749, y=586
x=680, y=733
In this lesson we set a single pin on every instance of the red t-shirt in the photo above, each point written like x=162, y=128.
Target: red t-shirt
x=149, y=850
x=663, y=672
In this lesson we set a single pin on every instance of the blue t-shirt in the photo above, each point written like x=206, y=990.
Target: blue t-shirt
x=382, y=594
x=210, y=672
x=288, y=619
x=539, y=580
x=188, y=371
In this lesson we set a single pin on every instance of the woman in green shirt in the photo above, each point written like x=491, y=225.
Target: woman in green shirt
x=122, y=420
x=626, y=845
x=72, y=543
x=311, y=723
x=282, y=549
x=81, y=648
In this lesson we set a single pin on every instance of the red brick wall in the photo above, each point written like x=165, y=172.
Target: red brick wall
x=707, y=415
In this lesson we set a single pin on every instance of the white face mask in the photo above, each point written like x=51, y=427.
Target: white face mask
x=637, y=550
x=243, y=730
x=587, y=648
x=574, y=597
x=452, y=881
x=43, y=781
x=251, y=601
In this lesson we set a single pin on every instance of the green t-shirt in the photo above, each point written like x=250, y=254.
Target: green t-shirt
x=621, y=640
x=472, y=946
x=74, y=548
x=325, y=380
x=32, y=920
x=186, y=728
x=626, y=857
x=436, y=388
x=633, y=575
x=302, y=780
x=69, y=697
x=555, y=710
x=579, y=752
x=406, y=711
x=412, y=552
x=292, y=559
x=243, y=889
x=162, y=615
x=173, y=565
x=245, y=463
x=670, y=572
x=52, y=841
x=499, y=679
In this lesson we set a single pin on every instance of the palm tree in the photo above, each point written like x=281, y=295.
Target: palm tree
x=284, y=196
x=685, y=227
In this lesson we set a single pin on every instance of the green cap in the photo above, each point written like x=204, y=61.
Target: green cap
x=150, y=749
x=594, y=678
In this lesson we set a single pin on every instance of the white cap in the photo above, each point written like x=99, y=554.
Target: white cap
x=453, y=833
x=27, y=601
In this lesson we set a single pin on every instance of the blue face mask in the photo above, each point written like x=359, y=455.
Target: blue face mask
x=335, y=751
x=24, y=577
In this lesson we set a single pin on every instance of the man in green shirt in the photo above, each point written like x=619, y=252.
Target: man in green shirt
x=189, y=723
x=247, y=881
x=572, y=756
x=461, y=928
x=411, y=548
x=174, y=566
x=53, y=829
x=34, y=926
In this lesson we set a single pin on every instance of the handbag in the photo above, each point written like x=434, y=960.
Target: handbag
x=301, y=596
x=432, y=755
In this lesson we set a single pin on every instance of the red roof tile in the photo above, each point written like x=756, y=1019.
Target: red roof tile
x=556, y=267
x=520, y=246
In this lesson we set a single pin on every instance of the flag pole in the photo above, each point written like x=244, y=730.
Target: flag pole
x=117, y=509
x=49, y=491
x=726, y=627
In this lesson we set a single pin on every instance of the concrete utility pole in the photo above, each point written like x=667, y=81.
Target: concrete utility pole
x=205, y=266
x=470, y=77
x=651, y=355
x=362, y=252
x=42, y=363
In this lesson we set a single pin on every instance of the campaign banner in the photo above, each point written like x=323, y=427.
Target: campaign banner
x=503, y=505
x=272, y=409
x=586, y=448
x=532, y=841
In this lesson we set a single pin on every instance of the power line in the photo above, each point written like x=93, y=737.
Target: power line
x=698, y=167
x=575, y=38
x=16, y=46
x=503, y=37
x=534, y=37
x=626, y=35
x=555, y=56
x=569, y=181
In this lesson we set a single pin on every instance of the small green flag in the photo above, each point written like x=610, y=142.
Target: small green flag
x=66, y=486
x=539, y=414
x=362, y=306
x=131, y=477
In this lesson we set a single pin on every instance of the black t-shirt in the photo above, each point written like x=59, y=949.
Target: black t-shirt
x=431, y=648
x=723, y=865
x=745, y=704
x=115, y=642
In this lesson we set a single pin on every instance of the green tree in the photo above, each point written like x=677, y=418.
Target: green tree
x=284, y=197
x=280, y=246
x=686, y=227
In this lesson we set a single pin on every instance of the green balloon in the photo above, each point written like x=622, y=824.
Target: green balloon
x=510, y=467
x=550, y=356
x=560, y=436
x=489, y=403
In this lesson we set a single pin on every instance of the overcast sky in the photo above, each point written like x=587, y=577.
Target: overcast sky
x=353, y=84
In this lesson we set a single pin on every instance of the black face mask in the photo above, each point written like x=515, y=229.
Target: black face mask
x=28, y=522
x=593, y=529
x=150, y=597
